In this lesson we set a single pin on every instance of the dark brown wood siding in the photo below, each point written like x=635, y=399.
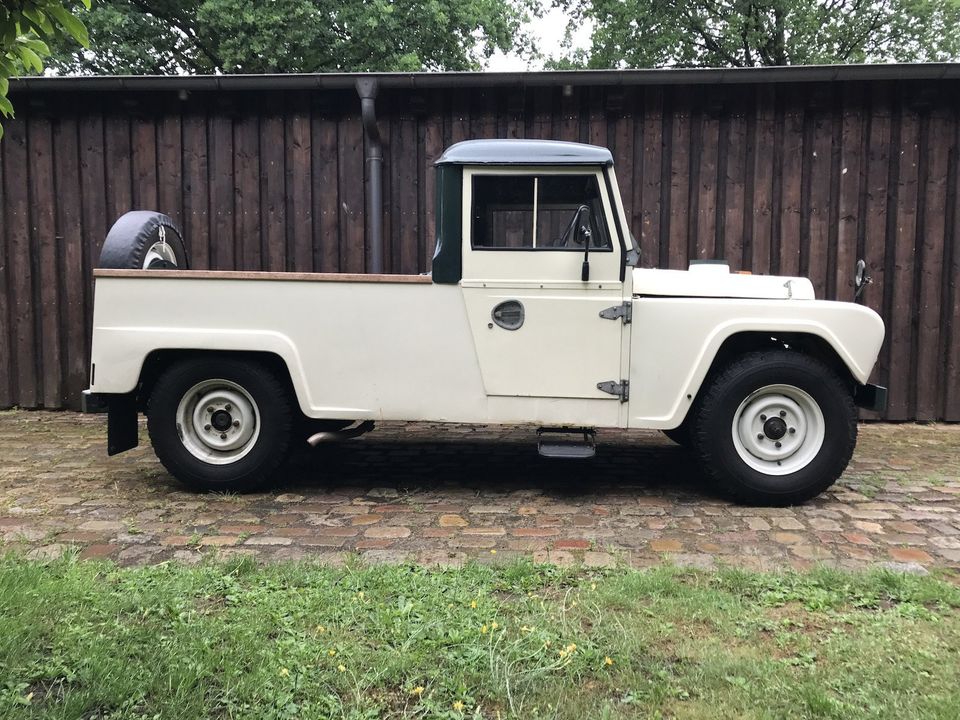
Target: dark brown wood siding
x=775, y=177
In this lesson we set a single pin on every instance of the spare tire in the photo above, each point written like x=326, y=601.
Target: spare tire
x=144, y=240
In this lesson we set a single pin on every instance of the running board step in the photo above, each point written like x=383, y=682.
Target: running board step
x=568, y=443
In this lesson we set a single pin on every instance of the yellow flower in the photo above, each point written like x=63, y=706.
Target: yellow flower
x=473, y=604
x=458, y=706
x=493, y=552
x=418, y=690
x=483, y=629
x=608, y=661
x=331, y=653
x=320, y=629
x=284, y=672
x=593, y=586
x=341, y=668
x=494, y=626
x=571, y=647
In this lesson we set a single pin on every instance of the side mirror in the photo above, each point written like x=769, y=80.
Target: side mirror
x=860, y=278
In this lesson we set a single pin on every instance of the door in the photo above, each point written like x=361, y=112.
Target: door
x=534, y=235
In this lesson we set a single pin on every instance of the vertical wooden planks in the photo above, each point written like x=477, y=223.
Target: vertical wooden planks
x=196, y=197
x=92, y=200
x=143, y=149
x=6, y=356
x=648, y=196
x=819, y=161
x=679, y=199
x=432, y=150
x=703, y=183
x=901, y=321
x=851, y=180
x=950, y=308
x=273, y=188
x=223, y=253
x=23, y=346
x=69, y=229
x=118, y=163
x=763, y=152
x=299, y=169
x=406, y=191
x=931, y=239
x=46, y=254
x=351, y=178
x=169, y=167
x=325, y=190
x=732, y=208
x=788, y=261
x=246, y=190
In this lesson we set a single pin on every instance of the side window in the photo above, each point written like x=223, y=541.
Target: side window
x=503, y=211
x=538, y=212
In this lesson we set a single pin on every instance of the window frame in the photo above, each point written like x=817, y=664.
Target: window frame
x=536, y=173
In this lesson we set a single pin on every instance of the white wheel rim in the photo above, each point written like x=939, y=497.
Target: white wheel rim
x=218, y=421
x=778, y=429
x=160, y=250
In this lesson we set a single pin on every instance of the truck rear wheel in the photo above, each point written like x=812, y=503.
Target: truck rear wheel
x=144, y=240
x=220, y=423
x=775, y=428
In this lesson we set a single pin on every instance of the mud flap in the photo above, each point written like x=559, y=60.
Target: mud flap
x=122, y=428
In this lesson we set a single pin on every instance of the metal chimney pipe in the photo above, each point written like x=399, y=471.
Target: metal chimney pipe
x=367, y=90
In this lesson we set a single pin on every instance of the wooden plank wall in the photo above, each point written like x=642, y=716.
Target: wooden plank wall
x=783, y=178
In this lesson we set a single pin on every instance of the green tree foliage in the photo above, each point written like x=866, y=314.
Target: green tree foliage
x=24, y=24
x=258, y=36
x=746, y=33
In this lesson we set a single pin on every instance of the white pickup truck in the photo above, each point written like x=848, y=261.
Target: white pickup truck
x=535, y=313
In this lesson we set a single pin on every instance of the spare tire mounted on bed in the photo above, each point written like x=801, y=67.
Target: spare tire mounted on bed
x=144, y=240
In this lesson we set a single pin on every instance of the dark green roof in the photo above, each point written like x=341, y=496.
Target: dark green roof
x=524, y=152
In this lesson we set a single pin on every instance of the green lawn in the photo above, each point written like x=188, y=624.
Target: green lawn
x=85, y=640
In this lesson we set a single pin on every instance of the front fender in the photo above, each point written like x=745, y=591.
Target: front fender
x=675, y=341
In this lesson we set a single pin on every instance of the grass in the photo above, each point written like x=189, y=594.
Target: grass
x=235, y=640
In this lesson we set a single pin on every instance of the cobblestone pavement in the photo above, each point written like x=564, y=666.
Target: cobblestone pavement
x=443, y=494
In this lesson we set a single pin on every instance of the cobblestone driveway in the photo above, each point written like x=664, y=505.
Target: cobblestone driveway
x=441, y=494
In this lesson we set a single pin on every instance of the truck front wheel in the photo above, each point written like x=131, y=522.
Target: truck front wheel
x=220, y=423
x=775, y=428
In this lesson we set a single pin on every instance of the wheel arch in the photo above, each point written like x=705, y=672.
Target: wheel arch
x=157, y=361
x=746, y=341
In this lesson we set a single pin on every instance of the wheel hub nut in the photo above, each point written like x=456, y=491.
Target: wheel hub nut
x=221, y=420
x=774, y=428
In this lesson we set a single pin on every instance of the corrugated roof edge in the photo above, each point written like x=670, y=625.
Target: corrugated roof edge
x=426, y=80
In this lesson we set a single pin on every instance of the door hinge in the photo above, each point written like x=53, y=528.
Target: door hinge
x=623, y=310
x=621, y=389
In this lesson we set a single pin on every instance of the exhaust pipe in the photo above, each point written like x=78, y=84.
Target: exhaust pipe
x=361, y=429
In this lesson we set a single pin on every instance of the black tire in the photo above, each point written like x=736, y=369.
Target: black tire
x=817, y=467
x=681, y=434
x=130, y=240
x=248, y=383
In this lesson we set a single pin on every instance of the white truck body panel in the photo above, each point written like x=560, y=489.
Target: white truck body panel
x=355, y=350
x=675, y=340
x=716, y=281
x=411, y=351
